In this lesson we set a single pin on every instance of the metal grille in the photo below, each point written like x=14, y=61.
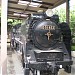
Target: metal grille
x=49, y=56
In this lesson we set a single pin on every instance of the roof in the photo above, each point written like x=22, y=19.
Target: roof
x=0, y=20
x=14, y=7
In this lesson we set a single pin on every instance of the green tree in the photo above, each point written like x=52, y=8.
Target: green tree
x=0, y=11
x=14, y=21
x=72, y=18
x=62, y=14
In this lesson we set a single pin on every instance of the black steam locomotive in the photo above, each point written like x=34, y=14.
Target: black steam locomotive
x=47, y=46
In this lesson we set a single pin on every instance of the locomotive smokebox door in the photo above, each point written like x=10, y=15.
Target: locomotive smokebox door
x=46, y=34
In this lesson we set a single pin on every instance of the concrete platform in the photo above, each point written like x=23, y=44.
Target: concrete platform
x=14, y=66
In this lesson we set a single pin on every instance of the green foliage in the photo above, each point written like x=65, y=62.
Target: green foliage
x=14, y=22
x=73, y=48
x=62, y=14
x=72, y=19
x=0, y=12
x=72, y=25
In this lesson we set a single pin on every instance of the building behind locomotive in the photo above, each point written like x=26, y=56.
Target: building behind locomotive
x=47, y=55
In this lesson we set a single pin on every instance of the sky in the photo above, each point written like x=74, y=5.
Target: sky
x=72, y=3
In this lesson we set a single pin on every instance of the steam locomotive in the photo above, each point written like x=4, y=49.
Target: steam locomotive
x=46, y=45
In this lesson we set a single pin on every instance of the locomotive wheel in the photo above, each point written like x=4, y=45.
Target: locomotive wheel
x=28, y=72
x=68, y=69
x=23, y=64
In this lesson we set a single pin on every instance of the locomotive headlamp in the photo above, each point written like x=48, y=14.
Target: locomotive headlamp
x=49, y=12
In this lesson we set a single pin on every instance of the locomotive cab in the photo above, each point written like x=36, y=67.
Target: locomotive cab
x=45, y=50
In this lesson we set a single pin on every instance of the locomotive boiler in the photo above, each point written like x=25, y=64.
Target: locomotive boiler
x=47, y=46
